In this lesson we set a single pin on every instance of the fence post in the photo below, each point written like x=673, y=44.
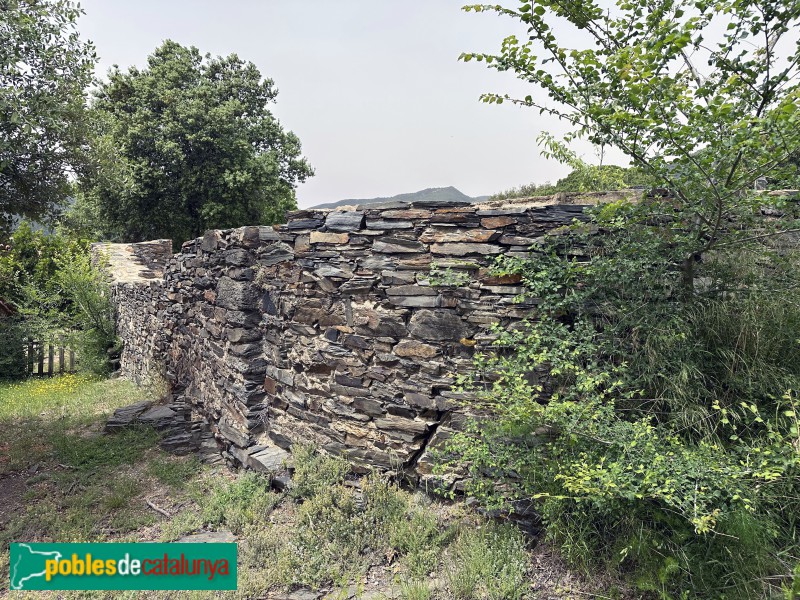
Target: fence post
x=71, y=360
x=50, y=352
x=61, y=360
x=41, y=358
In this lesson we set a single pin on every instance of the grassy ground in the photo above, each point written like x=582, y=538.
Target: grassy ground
x=62, y=480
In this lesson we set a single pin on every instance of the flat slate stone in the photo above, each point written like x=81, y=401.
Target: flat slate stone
x=515, y=240
x=411, y=290
x=392, y=422
x=358, y=285
x=390, y=205
x=463, y=249
x=127, y=415
x=334, y=271
x=238, y=257
x=270, y=460
x=211, y=240
x=180, y=443
x=501, y=212
x=275, y=254
x=233, y=435
x=440, y=203
x=410, y=213
x=158, y=417
x=304, y=224
x=495, y=222
x=437, y=325
x=458, y=235
x=384, y=224
x=415, y=349
x=253, y=235
x=558, y=213
x=319, y=237
x=236, y=295
x=392, y=245
x=345, y=221
x=414, y=301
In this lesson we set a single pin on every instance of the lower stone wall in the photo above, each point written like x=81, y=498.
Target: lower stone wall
x=140, y=317
x=137, y=275
x=342, y=328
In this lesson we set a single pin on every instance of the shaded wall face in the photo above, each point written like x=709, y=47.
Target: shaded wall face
x=344, y=329
x=137, y=275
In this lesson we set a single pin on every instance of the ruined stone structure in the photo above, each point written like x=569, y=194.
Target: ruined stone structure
x=343, y=328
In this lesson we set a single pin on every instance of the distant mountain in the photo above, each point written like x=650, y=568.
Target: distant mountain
x=431, y=194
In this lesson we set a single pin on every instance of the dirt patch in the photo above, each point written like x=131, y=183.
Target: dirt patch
x=12, y=490
x=553, y=579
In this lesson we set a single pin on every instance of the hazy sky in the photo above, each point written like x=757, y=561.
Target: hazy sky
x=373, y=88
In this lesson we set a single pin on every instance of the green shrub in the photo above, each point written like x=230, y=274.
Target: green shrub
x=583, y=178
x=91, y=315
x=243, y=502
x=655, y=424
x=58, y=296
x=418, y=536
x=314, y=471
x=29, y=262
x=14, y=332
x=341, y=529
x=415, y=590
x=791, y=591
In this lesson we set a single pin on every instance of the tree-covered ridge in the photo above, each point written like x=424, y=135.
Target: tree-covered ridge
x=184, y=145
x=583, y=178
x=444, y=194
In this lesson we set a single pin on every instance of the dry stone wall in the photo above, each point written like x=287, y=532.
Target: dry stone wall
x=137, y=273
x=342, y=328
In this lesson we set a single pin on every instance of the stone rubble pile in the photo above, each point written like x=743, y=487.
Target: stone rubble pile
x=172, y=419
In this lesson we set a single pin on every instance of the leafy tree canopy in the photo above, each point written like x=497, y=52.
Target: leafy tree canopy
x=45, y=69
x=187, y=144
x=702, y=95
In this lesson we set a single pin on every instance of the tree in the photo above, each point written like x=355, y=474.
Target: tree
x=188, y=144
x=650, y=405
x=633, y=83
x=45, y=69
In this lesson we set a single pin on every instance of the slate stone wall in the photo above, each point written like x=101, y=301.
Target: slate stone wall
x=140, y=314
x=137, y=273
x=332, y=328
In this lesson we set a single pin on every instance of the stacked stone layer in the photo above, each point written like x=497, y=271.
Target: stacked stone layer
x=341, y=328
